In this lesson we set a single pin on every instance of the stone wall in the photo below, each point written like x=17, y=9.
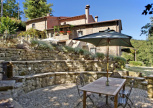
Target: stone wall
x=36, y=69
x=40, y=24
x=21, y=68
x=36, y=81
x=150, y=85
x=25, y=55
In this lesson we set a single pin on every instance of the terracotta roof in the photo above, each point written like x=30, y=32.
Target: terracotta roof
x=63, y=17
x=93, y=23
x=92, y=17
x=36, y=19
x=99, y=22
x=59, y=18
x=73, y=18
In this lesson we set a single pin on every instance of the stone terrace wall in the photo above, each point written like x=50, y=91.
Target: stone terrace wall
x=24, y=55
x=21, y=68
x=33, y=82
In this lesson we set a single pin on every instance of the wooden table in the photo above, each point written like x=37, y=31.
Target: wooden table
x=99, y=86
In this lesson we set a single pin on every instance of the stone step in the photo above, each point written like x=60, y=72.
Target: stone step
x=144, y=83
x=9, y=103
x=5, y=94
x=18, y=85
x=6, y=85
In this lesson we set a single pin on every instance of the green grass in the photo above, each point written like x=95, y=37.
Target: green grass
x=144, y=70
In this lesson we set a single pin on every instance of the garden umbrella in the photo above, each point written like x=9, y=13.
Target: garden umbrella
x=107, y=38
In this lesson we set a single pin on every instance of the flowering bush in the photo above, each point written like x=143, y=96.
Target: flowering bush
x=69, y=32
x=61, y=32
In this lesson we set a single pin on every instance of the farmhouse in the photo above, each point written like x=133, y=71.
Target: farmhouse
x=64, y=29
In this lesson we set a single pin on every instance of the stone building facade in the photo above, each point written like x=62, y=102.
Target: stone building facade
x=72, y=27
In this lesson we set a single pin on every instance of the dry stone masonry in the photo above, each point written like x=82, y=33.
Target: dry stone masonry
x=36, y=69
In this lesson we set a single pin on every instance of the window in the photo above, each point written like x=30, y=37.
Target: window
x=93, y=50
x=80, y=33
x=33, y=25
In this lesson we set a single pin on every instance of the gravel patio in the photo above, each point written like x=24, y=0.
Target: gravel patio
x=66, y=96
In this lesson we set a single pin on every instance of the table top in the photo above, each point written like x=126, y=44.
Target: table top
x=99, y=86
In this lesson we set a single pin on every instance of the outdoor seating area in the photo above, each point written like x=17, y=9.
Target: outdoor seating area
x=53, y=57
x=66, y=96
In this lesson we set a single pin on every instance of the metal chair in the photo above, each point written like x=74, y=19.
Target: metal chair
x=126, y=93
x=115, y=75
x=124, y=96
x=80, y=83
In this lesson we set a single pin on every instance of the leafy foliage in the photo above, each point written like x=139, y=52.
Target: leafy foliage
x=7, y=24
x=36, y=8
x=128, y=56
x=33, y=33
x=148, y=9
x=78, y=50
x=136, y=63
x=144, y=51
x=69, y=49
x=42, y=45
x=120, y=60
x=10, y=9
x=99, y=56
x=147, y=29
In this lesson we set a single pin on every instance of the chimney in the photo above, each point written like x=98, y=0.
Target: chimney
x=87, y=13
x=96, y=18
x=48, y=14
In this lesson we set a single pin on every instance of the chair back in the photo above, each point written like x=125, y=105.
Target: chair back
x=131, y=87
x=115, y=75
x=80, y=83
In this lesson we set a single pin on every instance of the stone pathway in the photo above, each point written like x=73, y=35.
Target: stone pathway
x=65, y=96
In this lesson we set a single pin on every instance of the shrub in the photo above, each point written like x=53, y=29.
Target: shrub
x=34, y=42
x=69, y=49
x=78, y=50
x=136, y=63
x=99, y=56
x=88, y=55
x=128, y=56
x=42, y=45
x=120, y=60
x=61, y=48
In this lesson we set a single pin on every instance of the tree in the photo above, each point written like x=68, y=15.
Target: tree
x=7, y=24
x=148, y=29
x=148, y=9
x=36, y=8
x=11, y=9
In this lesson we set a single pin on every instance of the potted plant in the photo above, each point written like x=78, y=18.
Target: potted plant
x=69, y=32
x=61, y=32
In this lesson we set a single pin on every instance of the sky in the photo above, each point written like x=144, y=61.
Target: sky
x=129, y=11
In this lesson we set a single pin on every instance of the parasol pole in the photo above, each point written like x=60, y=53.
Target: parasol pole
x=107, y=82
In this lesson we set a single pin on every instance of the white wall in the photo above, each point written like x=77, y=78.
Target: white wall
x=76, y=22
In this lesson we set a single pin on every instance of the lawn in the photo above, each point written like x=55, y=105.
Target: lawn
x=144, y=70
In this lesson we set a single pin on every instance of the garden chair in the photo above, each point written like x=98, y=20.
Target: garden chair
x=126, y=93
x=115, y=75
x=80, y=83
x=124, y=96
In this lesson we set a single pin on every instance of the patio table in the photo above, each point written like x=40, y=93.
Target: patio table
x=99, y=86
